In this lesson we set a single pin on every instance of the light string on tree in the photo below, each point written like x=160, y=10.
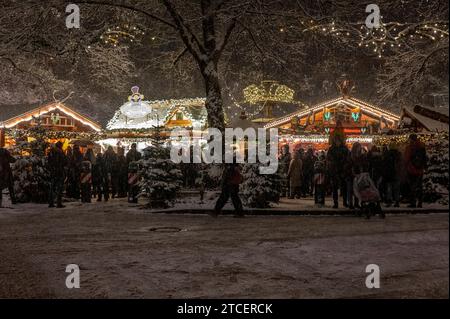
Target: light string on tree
x=389, y=36
x=122, y=34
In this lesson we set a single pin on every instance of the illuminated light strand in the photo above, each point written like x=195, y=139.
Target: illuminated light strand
x=389, y=35
x=365, y=107
x=50, y=108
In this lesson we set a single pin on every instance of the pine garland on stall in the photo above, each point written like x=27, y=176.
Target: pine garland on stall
x=160, y=177
x=436, y=182
x=259, y=190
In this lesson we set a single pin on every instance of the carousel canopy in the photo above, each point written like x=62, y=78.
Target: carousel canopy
x=141, y=114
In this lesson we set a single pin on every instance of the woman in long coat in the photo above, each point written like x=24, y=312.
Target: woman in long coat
x=295, y=174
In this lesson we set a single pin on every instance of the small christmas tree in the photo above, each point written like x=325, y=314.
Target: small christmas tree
x=31, y=176
x=161, y=178
x=259, y=190
x=436, y=182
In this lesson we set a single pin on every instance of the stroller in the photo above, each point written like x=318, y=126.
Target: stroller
x=368, y=196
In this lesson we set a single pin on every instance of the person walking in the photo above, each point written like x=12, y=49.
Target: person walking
x=337, y=156
x=415, y=162
x=57, y=162
x=295, y=175
x=6, y=177
x=392, y=160
x=231, y=179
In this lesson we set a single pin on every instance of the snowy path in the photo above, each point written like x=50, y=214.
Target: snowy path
x=258, y=256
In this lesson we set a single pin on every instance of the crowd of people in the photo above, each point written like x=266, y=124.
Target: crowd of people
x=86, y=176
x=393, y=171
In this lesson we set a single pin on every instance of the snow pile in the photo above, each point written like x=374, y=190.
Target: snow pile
x=259, y=190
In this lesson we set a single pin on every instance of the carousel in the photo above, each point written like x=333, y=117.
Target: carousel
x=147, y=122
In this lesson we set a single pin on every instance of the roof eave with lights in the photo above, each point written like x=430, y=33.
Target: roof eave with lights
x=28, y=116
x=375, y=110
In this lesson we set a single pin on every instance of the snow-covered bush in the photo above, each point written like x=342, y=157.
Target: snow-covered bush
x=160, y=178
x=436, y=182
x=31, y=179
x=259, y=190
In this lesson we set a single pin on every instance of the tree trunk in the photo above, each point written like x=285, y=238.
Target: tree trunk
x=214, y=101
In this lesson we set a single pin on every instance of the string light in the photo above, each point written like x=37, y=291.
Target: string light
x=391, y=34
x=119, y=35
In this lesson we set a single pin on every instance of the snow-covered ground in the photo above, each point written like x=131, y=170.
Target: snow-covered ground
x=126, y=251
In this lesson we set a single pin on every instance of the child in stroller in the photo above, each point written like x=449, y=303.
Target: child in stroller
x=368, y=195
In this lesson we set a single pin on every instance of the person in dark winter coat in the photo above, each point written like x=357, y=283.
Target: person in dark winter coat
x=336, y=158
x=319, y=180
x=75, y=171
x=392, y=163
x=57, y=163
x=375, y=159
x=231, y=178
x=283, y=167
x=356, y=164
x=308, y=172
x=112, y=171
x=122, y=173
x=133, y=154
x=99, y=182
x=6, y=177
x=86, y=181
x=415, y=159
x=295, y=175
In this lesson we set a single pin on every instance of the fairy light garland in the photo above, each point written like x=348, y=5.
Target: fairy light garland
x=389, y=36
x=122, y=34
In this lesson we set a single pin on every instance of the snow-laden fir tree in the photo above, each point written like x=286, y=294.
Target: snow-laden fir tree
x=436, y=182
x=160, y=177
x=31, y=175
x=259, y=190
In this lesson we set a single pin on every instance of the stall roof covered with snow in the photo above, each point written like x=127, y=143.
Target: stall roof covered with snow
x=421, y=118
x=355, y=116
x=55, y=116
x=138, y=113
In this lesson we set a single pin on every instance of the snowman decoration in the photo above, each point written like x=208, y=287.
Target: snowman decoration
x=136, y=107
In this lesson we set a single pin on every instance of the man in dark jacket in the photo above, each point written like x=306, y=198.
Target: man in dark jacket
x=133, y=155
x=6, y=178
x=122, y=173
x=392, y=160
x=57, y=163
x=112, y=170
x=415, y=162
x=99, y=182
x=336, y=158
x=308, y=172
x=231, y=178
